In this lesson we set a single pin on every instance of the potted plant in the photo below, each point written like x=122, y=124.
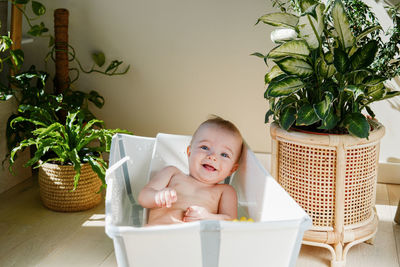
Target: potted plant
x=327, y=72
x=68, y=155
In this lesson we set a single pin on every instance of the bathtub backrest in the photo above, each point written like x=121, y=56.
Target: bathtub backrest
x=130, y=158
x=170, y=150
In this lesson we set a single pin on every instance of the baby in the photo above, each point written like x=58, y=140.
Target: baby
x=175, y=197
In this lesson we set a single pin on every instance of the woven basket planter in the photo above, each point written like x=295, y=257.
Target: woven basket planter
x=57, y=181
x=333, y=178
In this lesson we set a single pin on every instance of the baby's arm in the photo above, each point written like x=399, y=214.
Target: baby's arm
x=156, y=193
x=227, y=208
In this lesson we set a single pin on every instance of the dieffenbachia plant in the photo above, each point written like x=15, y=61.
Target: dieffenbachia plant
x=322, y=78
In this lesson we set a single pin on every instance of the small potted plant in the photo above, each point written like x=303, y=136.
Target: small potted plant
x=325, y=149
x=71, y=169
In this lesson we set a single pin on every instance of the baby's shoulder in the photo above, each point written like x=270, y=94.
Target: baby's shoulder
x=171, y=170
x=225, y=188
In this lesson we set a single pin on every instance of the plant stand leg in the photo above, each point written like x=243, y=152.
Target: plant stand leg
x=370, y=241
x=338, y=261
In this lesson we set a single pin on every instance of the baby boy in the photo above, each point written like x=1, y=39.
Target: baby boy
x=175, y=197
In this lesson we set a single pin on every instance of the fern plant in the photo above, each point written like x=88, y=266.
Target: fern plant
x=72, y=143
x=322, y=79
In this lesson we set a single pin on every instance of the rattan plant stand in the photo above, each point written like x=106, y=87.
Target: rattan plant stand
x=57, y=181
x=333, y=178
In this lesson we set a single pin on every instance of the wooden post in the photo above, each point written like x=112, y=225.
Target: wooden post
x=16, y=28
x=61, y=49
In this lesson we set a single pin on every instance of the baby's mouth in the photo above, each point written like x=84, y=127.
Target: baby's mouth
x=209, y=167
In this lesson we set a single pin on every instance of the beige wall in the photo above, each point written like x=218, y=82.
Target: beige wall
x=188, y=58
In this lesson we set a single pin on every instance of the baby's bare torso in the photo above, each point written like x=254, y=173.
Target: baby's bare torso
x=190, y=192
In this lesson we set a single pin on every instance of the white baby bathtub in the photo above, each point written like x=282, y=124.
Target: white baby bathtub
x=274, y=238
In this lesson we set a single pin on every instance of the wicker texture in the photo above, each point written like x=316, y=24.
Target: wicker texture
x=56, y=183
x=308, y=175
x=361, y=174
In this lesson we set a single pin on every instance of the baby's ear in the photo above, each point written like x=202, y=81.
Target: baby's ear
x=234, y=168
x=188, y=151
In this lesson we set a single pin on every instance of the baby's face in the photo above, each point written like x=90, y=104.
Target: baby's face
x=213, y=154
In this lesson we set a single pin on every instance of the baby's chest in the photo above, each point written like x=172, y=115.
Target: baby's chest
x=195, y=195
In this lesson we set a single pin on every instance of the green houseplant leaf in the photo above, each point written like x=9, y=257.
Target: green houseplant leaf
x=306, y=115
x=364, y=56
x=282, y=87
x=280, y=19
x=288, y=117
x=38, y=8
x=296, y=49
x=294, y=66
x=311, y=28
x=273, y=73
x=342, y=25
x=357, y=125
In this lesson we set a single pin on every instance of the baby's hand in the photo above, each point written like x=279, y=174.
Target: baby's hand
x=165, y=197
x=195, y=213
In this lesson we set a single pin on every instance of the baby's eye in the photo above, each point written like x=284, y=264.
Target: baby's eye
x=225, y=155
x=204, y=147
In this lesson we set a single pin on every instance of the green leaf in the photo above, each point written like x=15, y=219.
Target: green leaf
x=359, y=76
x=368, y=31
x=322, y=108
x=23, y=2
x=285, y=86
x=51, y=41
x=357, y=125
x=340, y=60
x=38, y=8
x=49, y=130
x=76, y=162
x=18, y=57
x=113, y=66
x=311, y=29
x=391, y=94
x=330, y=121
x=273, y=73
x=326, y=70
x=267, y=115
x=38, y=30
x=342, y=25
x=257, y=54
x=99, y=58
x=376, y=92
x=306, y=4
x=22, y=119
x=19, y=147
x=280, y=19
x=5, y=43
x=294, y=66
x=364, y=56
x=98, y=169
x=355, y=90
x=287, y=117
x=96, y=99
x=306, y=115
x=296, y=49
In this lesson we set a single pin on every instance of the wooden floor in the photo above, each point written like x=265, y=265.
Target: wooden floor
x=32, y=235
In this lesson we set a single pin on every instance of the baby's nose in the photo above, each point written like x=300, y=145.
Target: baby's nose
x=212, y=157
